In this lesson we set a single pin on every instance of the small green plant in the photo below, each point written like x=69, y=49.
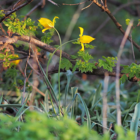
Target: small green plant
x=108, y=63
x=38, y=126
x=15, y=25
x=130, y=71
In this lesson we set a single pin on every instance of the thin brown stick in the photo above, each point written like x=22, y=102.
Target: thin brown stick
x=118, y=25
x=36, y=42
x=115, y=12
x=54, y=3
x=33, y=9
x=118, y=72
x=76, y=3
x=129, y=9
x=87, y=6
x=18, y=3
x=105, y=106
x=14, y=10
x=72, y=23
x=35, y=80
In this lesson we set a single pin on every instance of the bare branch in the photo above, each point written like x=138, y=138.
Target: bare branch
x=118, y=25
x=14, y=10
x=114, y=12
x=34, y=41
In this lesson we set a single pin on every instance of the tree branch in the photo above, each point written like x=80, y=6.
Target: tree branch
x=97, y=72
x=118, y=25
x=114, y=12
x=34, y=41
x=128, y=9
x=14, y=10
x=54, y=69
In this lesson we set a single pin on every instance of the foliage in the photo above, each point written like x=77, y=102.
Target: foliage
x=38, y=126
x=108, y=63
x=88, y=104
x=25, y=27
x=6, y=57
x=2, y=13
x=47, y=37
x=85, y=62
x=131, y=71
x=66, y=64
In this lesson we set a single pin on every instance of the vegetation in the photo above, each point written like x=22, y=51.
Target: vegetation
x=47, y=63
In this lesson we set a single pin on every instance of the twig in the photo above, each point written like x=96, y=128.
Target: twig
x=76, y=3
x=36, y=42
x=87, y=6
x=43, y=3
x=118, y=25
x=24, y=87
x=16, y=9
x=33, y=9
x=19, y=2
x=115, y=12
x=132, y=48
x=72, y=23
x=128, y=9
x=118, y=72
x=35, y=79
x=98, y=72
x=2, y=29
x=105, y=106
x=54, y=3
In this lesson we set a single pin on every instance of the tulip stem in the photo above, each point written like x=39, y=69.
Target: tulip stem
x=55, y=51
x=59, y=65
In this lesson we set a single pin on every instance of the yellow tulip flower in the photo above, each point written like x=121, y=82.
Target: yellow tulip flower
x=48, y=24
x=84, y=38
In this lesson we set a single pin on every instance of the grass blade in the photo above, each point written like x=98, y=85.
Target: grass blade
x=135, y=120
x=85, y=108
x=69, y=75
x=96, y=97
x=1, y=98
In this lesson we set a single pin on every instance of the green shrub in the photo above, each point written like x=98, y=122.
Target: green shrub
x=37, y=126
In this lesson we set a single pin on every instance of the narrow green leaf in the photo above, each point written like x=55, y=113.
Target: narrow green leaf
x=135, y=120
x=1, y=98
x=96, y=96
x=85, y=108
x=69, y=75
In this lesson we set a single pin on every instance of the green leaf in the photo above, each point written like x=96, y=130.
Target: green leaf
x=89, y=46
x=2, y=56
x=85, y=66
x=76, y=42
x=85, y=55
x=66, y=64
x=135, y=119
x=123, y=79
x=73, y=57
x=108, y=63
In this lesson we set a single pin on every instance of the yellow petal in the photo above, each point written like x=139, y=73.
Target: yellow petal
x=46, y=23
x=54, y=20
x=86, y=39
x=82, y=47
x=81, y=31
x=45, y=30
